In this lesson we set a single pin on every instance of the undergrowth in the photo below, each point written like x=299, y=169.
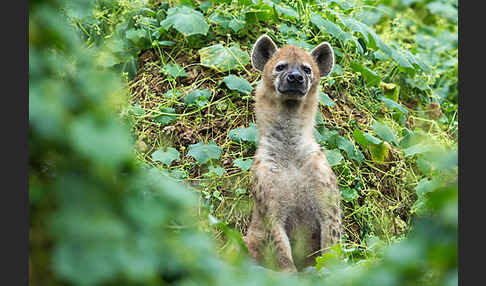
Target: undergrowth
x=388, y=106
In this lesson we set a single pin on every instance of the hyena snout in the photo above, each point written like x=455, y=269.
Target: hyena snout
x=295, y=79
x=293, y=82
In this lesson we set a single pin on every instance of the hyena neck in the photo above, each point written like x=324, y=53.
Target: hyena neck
x=286, y=129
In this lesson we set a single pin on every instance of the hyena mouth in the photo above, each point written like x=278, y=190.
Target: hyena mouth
x=292, y=93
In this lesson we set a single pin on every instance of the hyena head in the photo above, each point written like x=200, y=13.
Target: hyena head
x=291, y=72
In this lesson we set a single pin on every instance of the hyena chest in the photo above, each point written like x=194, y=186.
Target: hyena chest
x=295, y=184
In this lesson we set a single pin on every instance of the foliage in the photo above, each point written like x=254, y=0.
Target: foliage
x=127, y=109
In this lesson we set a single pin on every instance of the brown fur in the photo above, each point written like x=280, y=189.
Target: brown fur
x=295, y=190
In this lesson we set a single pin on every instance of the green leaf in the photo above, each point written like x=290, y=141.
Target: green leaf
x=333, y=156
x=365, y=139
x=172, y=94
x=220, y=19
x=390, y=90
x=372, y=139
x=331, y=28
x=186, y=21
x=223, y=59
x=287, y=30
x=238, y=83
x=166, y=119
x=348, y=194
x=300, y=43
x=331, y=137
x=179, y=174
x=286, y=11
x=249, y=134
x=244, y=165
x=199, y=97
x=351, y=151
x=384, y=132
x=400, y=59
x=236, y=24
x=202, y=153
x=218, y=170
x=345, y=5
x=379, y=152
x=138, y=110
x=394, y=105
x=324, y=99
x=356, y=26
x=166, y=157
x=240, y=191
x=136, y=36
x=319, y=120
x=175, y=70
x=205, y=5
x=166, y=43
x=369, y=76
x=317, y=136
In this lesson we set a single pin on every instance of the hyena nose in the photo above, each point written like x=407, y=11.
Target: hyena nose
x=295, y=77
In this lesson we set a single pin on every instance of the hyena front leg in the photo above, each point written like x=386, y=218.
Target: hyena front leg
x=330, y=230
x=284, y=251
x=255, y=236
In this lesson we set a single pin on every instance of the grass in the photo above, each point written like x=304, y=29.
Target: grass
x=382, y=192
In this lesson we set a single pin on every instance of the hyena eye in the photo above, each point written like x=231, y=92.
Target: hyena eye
x=280, y=67
x=307, y=70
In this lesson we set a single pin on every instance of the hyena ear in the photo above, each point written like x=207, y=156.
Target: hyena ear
x=262, y=51
x=324, y=57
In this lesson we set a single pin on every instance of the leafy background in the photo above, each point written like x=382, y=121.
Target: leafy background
x=142, y=136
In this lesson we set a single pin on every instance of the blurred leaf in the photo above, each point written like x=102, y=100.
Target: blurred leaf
x=445, y=9
x=103, y=142
x=417, y=149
